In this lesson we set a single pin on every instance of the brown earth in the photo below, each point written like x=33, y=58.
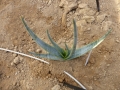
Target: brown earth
x=101, y=73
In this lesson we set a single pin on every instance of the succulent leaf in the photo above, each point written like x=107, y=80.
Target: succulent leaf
x=59, y=49
x=47, y=56
x=41, y=43
x=75, y=40
x=86, y=48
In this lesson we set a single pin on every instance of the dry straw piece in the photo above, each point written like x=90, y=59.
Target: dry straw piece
x=24, y=55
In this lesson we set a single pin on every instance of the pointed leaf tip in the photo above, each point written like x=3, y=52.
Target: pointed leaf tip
x=75, y=40
x=41, y=43
x=88, y=47
x=57, y=47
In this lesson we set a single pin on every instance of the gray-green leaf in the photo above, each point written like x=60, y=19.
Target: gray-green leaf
x=75, y=40
x=86, y=48
x=44, y=45
x=47, y=56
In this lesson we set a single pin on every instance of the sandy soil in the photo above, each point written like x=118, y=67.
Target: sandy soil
x=102, y=71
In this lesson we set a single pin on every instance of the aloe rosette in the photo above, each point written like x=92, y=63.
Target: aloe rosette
x=55, y=52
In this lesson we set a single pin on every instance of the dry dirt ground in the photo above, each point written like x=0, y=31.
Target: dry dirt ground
x=102, y=71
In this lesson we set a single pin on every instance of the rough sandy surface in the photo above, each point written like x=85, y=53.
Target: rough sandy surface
x=22, y=73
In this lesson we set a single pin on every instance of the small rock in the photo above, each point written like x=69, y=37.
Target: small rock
x=16, y=73
x=49, y=2
x=15, y=55
x=68, y=19
x=8, y=76
x=79, y=1
x=81, y=22
x=56, y=87
x=96, y=77
x=16, y=60
x=77, y=13
x=90, y=12
x=39, y=51
x=89, y=19
x=29, y=50
x=92, y=61
x=62, y=3
x=82, y=5
x=118, y=7
x=21, y=58
x=83, y=11
x=106, y=25
x=117, y=41
x=90, y=87
x=108, y=65
x=12, y=64
x=88, y=29
x=100, y=18
x=87, y=11
x=68, y=24
x=88, y=64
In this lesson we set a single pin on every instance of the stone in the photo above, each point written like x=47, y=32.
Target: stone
x=12, y=64
x=15, y=55
x=77, y=13
x=81, y=23
x=39, y=51
x=89, y=19
x=56, y=87
x=100, y=18
x=118, y=7
x=62, y=3
x=21, y=58
x=117, y=40
x=16, y=60
x=49, y=2
x=90, y=12
x=82, y=5
x=106, y=25
x=68, y=24
x=84, y=11
x=92, y=61
x=108, y=65
x=90, y=88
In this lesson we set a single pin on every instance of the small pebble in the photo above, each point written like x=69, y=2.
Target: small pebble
x=29, y=50
x=90, y=87
x=21, y=58
x=49, y=2
x=117, y=41
x=82, y=5
x=95, y=78
x=88, y=64
x=16, y=73
x=15, y=55
x=89, y=19
x=39, y=51
x=100, y=18
x=12, y=64
x=81, y=23
x=16, y=60
x=92, y=61
x=8, y=76
x=106, y=25
x=56, y=87
x=108, y=65
x=68, y=24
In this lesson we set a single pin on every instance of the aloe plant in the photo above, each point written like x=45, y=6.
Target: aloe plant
x=55, y=52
